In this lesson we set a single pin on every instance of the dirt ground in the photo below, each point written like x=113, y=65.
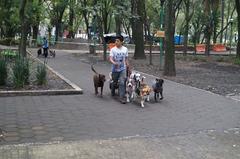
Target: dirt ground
x=214, y=73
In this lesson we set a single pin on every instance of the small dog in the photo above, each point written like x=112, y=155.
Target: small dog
x=142, y=89
x=98, y=80
x=158, y=89
x=130, y=89
x=2, y=134
x=52, y=53
x=39, y=52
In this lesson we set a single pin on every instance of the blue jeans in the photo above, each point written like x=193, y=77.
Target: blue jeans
x=121, y=78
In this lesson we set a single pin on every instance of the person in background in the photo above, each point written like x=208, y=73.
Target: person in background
x=45, y=47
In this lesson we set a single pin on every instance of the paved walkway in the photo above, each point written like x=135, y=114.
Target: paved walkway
x=188, y=123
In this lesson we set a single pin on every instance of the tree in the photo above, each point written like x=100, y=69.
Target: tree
x=9, y=18
x=188, y=17
x=169, y=65
x=138, y=7
x=71, y=19
x=24, y=18
x=238, y=20
x=57, y=8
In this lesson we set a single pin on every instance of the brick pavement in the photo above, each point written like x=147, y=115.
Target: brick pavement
x=43, y=119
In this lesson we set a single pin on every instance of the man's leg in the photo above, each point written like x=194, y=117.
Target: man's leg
x=122, y=85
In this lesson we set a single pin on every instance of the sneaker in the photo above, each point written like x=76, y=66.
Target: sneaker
x=123, y=101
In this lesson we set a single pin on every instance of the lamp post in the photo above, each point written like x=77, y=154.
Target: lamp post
x=231, y=23
x=161, y=29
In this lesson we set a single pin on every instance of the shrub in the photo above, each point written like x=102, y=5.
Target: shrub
x=3, y=71
x=41, y=74
x=8, y=53
x=237, y=61
x=20, y=71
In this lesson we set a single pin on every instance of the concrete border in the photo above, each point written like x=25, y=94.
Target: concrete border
x=75, y=90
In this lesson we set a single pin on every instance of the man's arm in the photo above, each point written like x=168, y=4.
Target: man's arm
x=126, y=61
x=112, y=61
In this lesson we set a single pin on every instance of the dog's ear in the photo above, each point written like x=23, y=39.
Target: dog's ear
x=162, y=81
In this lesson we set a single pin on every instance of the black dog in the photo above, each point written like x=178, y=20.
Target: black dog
x=98, y=80
x=51, y=52
x=39, y=52
x=158, y=89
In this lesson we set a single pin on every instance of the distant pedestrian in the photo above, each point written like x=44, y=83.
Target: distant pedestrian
x=45, y=47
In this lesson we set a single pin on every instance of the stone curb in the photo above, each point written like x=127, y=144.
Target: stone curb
x=75, y=90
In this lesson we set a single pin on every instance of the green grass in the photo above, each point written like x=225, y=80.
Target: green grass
x=21, y=72
x=41, y=75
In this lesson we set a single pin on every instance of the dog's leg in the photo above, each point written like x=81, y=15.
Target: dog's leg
x=161, y=98
x=128, y=100
x=142, y=102
x=148, y=98
x=96, y=90
x=101, y=90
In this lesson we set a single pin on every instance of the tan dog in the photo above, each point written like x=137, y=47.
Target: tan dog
x=142, y=90
x=98, y=80
x=145, y=91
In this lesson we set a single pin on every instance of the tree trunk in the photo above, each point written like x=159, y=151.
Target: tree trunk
x=118, y=21
x=169, y=65
x=208, y=29
x=238, y=19
x=137, y=29
x=22, y=46
x=71, y=18
x=222, y=20
x=36, y=26
x=187, y=19
x=215, y=9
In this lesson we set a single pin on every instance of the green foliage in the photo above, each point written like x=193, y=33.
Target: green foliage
x=41, y=74
x=237, y=61
x=9, y=41
x=8, y=53
x=21, y=72
x=3, y=71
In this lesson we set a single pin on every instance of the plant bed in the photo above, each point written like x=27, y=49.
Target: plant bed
x=54, y=84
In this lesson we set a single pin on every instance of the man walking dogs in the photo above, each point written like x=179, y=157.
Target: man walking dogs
x=119, y=59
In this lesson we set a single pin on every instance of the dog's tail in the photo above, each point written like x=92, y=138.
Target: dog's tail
x=93, y=69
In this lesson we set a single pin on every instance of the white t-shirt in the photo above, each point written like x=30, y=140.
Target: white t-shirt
x=119, y=56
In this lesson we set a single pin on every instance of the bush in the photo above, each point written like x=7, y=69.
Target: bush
x=237, y=61
x=8, y=53
x=9, y=41
x=21, y=72
x=41, y=74
x=3, y=71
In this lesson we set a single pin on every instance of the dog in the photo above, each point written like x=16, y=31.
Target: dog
x=158, y=89
x=2, y=134
x=130, y=89
x=39, y=52
x=52, y=53
x=142, y=90
x=98, y=80
x=112, y=84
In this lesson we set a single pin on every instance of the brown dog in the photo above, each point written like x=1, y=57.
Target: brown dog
x=98, y=80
